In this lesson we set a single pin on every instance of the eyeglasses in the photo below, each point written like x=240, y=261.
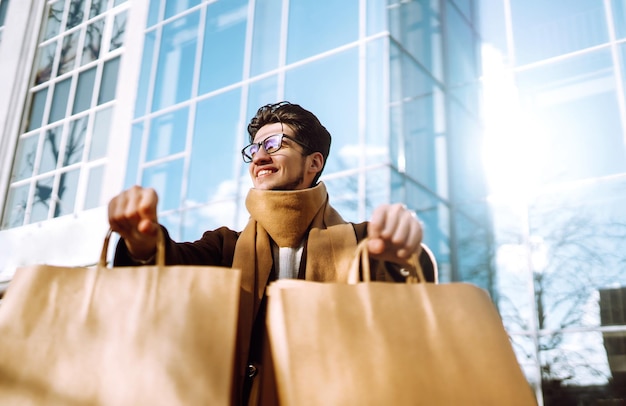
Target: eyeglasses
x=271, y=144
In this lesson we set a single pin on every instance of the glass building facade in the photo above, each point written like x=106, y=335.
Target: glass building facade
x=500, y=122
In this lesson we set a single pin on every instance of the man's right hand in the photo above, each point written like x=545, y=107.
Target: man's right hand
x=133, y=214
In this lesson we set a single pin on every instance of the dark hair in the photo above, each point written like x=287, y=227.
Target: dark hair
x=307, y=127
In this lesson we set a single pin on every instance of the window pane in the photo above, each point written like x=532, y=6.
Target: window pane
x=100, y=134
x=416, y=25
x=173, y=7
x=167, y=134
x=166, y=180
x=224, y=38
x=25, y=157
x=84, y=90
x=94, y=187
x=55, y=14
x=176, y=62
x=37, y=108
x=58, y=108
x=260, y=93
x=16, y=206
x=266, y=36
x=119, y=30
x=153, y=12
x=316, y=27
x=336, y=75
x=144, y=77
x=68, y=184
x=118, y=2
x=216, y=120
x=68, y=53
x=543, y=29
x=97, y=7
x=108, y=85
x=619, y=17
x=93, y=40
x=75, y=143
x=45, y=62
x=376, y=17
x=41, y=199
x=75, y=14
x=50, y=153
x=133, y=156
x=563, y=101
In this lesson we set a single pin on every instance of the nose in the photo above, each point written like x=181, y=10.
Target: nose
x=261, y=155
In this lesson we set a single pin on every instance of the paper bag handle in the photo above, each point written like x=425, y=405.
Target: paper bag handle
x=361, y=262
x=160, y=249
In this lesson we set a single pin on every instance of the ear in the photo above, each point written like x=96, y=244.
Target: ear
x=316, y=162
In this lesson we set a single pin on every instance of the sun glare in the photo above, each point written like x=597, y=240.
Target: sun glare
x=513, y=147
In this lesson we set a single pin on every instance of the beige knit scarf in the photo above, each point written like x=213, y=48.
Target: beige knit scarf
x=285, y=217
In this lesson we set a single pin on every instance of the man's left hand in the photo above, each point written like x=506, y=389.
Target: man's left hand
x=394, y=232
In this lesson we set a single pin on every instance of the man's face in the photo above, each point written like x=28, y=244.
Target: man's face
x=285, y=169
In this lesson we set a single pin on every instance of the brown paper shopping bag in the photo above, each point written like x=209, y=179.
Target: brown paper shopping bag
x=380, y=343
x=149, y=335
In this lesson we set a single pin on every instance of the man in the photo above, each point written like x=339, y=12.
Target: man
x=293, y=232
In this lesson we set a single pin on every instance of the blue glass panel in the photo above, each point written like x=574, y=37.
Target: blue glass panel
x=97, y=7
x=94, y=187
x=45, y=62
x=84, y=90
x=329, y=89
x=376, y=119
x=15, y=206
x=173, y=7
x=166, y=179
x=93, y=41
x=144, y=77
x=224, y=39
x=37, y=108
x=266, y=36
x=462, y=60
x=216, y=131
x=376, y=16
x=108, y=84
x=344, y=197
x=417, y=26
x=50, y=153
x=25, y=156
x=100, y=134
x=153, y=12
x=59, y=100
x=543, y=29
x=618, y=8
x=318, y=26
x=41, y=199
x=75, y=141
x=75, y=14
x=207, y=217
x=176, y=62
x=67, y=60
x=465, y=7
x=563, y=100
x=132, y=167
x=260, y=93
x=119, y=31
x=68, y=184
x=167, y=134
x=53, y=23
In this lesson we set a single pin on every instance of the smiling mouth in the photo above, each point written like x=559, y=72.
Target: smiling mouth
x=264, y=172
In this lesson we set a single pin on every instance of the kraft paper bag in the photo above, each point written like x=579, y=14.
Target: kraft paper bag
x=148, y=335
x=380, y=343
